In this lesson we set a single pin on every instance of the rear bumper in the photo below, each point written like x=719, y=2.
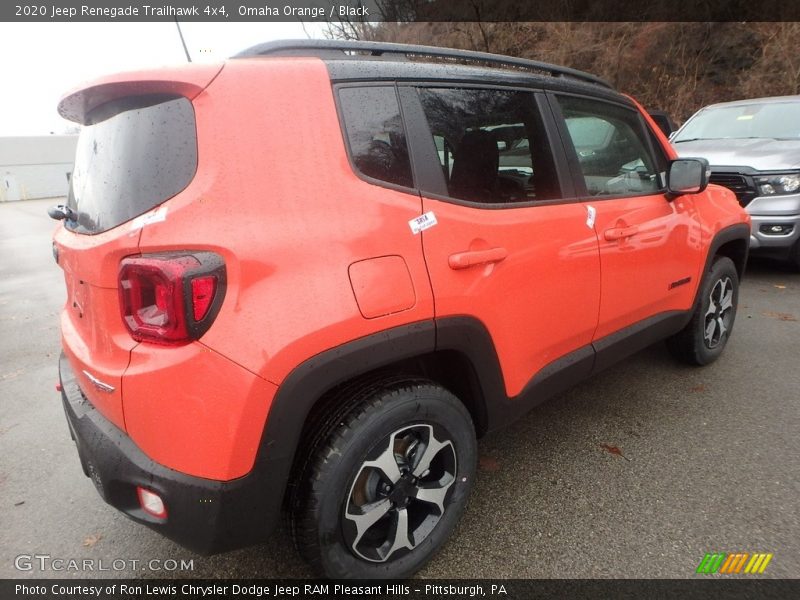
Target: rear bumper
x=203, y=515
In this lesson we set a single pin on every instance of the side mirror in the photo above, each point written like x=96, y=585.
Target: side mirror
x=687, y=176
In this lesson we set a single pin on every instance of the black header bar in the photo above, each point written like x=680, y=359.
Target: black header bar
x=375, y=11
x=700, y=588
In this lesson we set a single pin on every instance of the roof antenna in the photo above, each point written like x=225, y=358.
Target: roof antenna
x=180, y=33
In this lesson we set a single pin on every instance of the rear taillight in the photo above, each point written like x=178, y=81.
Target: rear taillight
x=171, y=298
x=203, y=289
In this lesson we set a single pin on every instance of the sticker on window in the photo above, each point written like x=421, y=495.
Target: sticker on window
x=422, y=222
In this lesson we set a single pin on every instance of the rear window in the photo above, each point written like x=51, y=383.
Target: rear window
x=134, y=154
x=375, y=134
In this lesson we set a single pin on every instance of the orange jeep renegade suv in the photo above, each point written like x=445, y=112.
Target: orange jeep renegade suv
x=308, y=279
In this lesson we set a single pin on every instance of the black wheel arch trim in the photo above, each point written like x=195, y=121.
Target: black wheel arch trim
x=465, y=335
x=740, y=232
x=305, y=385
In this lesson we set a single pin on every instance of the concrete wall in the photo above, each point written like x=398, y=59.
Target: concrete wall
x=35, y=167
x=27, y=182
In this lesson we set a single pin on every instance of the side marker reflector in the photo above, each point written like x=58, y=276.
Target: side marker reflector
x=151, y=503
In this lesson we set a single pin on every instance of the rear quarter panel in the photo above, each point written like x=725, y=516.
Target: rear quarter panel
x=275, y=196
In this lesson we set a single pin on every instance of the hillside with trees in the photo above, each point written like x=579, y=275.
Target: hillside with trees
x=677, y=67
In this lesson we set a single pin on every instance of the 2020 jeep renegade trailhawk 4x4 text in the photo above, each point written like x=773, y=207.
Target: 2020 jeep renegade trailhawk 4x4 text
x=308, y=280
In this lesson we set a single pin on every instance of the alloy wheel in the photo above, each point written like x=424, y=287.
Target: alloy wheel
x=719, y=312
x=399, y=494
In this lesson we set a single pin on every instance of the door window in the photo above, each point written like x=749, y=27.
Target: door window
x=491, y=145
x=612, y=148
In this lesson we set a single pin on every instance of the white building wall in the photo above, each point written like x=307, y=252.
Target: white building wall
x=35, y=166
x=28, y=182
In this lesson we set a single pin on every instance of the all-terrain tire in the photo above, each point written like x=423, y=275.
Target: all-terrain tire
x=795, y=257
x=702, y=341
x=386, y=482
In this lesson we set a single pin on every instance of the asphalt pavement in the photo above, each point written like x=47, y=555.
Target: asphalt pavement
x=637, y=472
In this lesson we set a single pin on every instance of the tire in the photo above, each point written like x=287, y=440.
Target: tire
x=795, y=258
x=433, y=455
x=702, y=341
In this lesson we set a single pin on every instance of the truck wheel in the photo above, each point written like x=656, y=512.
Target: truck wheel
x=796, y=255
x=385, y=487
x=703, y=339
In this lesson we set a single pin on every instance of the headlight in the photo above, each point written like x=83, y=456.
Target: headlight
x=783, y=183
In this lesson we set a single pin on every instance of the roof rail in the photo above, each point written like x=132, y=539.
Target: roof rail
x=338, y=48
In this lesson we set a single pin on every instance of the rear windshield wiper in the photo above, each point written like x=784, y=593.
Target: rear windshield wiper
x=62, y=212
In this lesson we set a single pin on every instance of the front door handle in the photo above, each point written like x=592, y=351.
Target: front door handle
x=618, y=233
x=465, y=260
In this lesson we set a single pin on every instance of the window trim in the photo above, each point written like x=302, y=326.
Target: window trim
x=428, y=176
x=572, y=155
x=346, y=140
x=655, y=145
x=424, y=158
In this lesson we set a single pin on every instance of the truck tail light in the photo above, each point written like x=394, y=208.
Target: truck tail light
x=171, y=298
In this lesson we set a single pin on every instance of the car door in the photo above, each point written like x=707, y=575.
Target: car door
x=649, y=244
x=504, y=240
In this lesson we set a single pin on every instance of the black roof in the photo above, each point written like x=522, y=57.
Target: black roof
x=371, y=61
x=350, y=70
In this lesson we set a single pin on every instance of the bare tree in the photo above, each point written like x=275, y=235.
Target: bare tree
x=677, y=67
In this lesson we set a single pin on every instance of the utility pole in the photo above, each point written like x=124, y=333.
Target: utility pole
x=183, y=42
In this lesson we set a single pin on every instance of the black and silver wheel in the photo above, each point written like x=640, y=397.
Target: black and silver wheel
x=719, y=313
x=387, y=483
x=704, y=338
x=398, y=497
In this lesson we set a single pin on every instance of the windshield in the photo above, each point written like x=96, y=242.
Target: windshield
x=776, y=120
x=136, y=153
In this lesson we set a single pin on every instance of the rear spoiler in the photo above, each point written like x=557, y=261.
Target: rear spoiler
x=186, y=80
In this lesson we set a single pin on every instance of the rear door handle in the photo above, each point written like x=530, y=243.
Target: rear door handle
x=465, y=260
x=618, y=233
